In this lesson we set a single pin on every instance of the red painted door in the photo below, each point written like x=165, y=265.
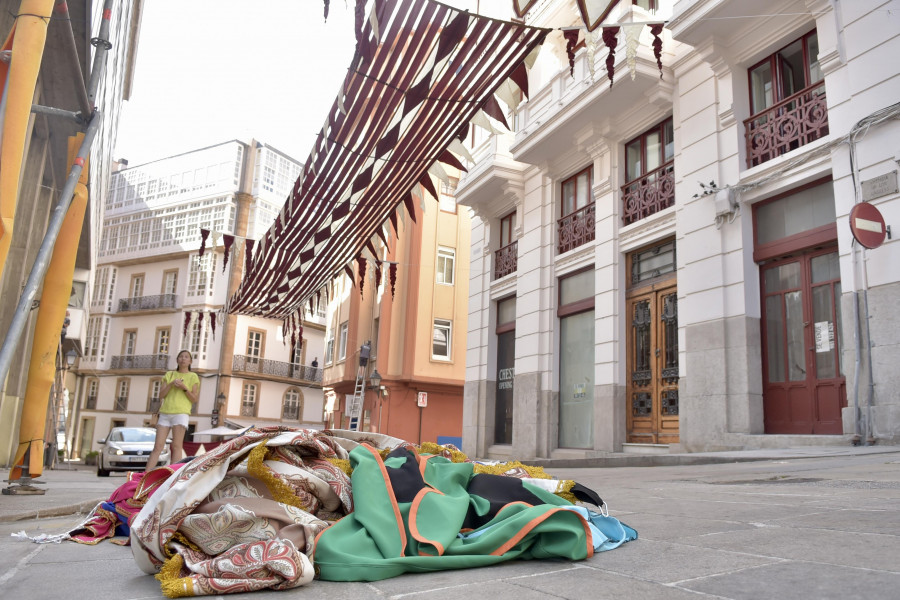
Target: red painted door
x=803, y=382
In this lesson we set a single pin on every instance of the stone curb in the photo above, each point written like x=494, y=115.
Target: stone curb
x=57, y=511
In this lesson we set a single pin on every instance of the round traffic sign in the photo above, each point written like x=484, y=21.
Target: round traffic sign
x=867, y=225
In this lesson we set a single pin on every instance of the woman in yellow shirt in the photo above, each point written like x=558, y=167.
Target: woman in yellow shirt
x=180, y=391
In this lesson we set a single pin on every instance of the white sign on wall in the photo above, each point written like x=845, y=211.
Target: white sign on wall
x=422, y=399
x=824, y=336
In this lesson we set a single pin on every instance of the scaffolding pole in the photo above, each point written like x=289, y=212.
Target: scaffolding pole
x=36, y=277
x=42, y=261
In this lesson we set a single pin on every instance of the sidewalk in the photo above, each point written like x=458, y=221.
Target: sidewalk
x=75, y=488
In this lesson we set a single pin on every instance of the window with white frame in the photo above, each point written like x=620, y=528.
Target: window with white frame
x=170, y=282
x=248, y=400
x=255, y=341
x=292, y=405
x=202, y=274
x=153, y=399
x=342, y=341
x=163, y=335
x=198, y=339
x=446, y=261
x=329, y=348
x=440, y=347
x=122, y=395
x=90, y=400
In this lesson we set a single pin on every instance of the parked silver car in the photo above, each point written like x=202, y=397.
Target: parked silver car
x=127, y=449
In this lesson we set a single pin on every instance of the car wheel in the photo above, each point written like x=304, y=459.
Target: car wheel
x=101, y=472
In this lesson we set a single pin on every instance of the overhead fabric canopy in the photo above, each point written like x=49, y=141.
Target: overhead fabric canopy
x=421, y=72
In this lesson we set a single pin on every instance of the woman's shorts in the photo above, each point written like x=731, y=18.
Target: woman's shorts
x=171, y=420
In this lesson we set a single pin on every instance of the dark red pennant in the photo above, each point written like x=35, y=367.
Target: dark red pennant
x=204, y=233
x=428, y=184
x=520, y=78
x=410, y=206
x=361, y=269
x=610, y=39
x=571, y=36
x=492, y=108
x=451, y=36
x=448, y=158
x=392, y=274
x=229, y=240
x=656, y=30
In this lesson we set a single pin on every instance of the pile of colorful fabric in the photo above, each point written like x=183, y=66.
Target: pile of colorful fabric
x=260, y=511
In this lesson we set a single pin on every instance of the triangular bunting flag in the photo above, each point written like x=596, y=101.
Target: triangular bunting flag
x=609, y=38
x=459, y=148
x=410, y=205
x=520, y=78
x=451, y=35
x=204, y=233
x=632, y=40
x=492, y=108
x=656, y=30
x=428, y=184
x=392, y=274
x=229, y=240
x=448, y=159
x=571, y=36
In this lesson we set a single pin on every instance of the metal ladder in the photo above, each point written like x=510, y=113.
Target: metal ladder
x=356, y=403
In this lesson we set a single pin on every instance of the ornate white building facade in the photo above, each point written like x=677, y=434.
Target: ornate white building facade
x=666, y=263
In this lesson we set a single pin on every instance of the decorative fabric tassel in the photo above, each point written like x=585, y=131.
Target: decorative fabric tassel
x=187, y=321
x=571, y=36
x=377, y=276
x=248, y=251
x=229, y=240
x=610, y=39
x=656, y=30
x=361, y=269
x=327, y=3
x=204, y=233
x=632, y=40
x=392, y=273
x=212, y=324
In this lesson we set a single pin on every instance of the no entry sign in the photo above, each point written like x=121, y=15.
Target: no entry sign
x=867, y=225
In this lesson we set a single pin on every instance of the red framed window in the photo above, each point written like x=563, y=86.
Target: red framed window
x=784, y=73
x=577, y=222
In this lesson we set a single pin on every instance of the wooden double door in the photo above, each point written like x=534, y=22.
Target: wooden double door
x=803, y=382
x=652, y=388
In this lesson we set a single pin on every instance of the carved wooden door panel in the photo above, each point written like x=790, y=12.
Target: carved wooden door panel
x=652, y=389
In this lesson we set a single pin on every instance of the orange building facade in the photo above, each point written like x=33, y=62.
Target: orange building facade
x=417, y=333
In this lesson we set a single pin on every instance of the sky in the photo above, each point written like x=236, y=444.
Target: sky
x=209, y=71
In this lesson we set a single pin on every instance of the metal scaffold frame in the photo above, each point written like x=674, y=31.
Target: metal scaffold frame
x=89, y=118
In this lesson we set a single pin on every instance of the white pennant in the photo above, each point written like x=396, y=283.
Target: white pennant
x=591, y=40
x=632, y=40
x=457, y=147
x=510, y=93
x=481, y=119
x=438, y=171
x=373, y=21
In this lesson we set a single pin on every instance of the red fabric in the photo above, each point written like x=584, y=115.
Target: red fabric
x=656, y=30
x=361, y=269
x=392, y=272
x=610, y=39
x=204, y=233
x=228, y=240
x=191, y=448
x=571, y=36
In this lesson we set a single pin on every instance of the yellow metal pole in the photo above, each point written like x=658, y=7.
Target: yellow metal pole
x=54, y=302
x=27, y=53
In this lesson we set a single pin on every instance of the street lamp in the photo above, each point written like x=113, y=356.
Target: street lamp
x=375, y=380
x=214, y=418
x=71, y=355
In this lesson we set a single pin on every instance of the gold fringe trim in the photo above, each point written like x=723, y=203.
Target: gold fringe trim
x=341, y=463
x=433, y=448
x=280, y=491
x=500, y=469
x=564, y=490
x=181, y=539
x=171, y=582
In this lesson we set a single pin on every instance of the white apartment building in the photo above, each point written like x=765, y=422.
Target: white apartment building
x=666, y=263
x=154, y=295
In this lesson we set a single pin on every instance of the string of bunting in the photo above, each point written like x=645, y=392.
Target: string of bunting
x=195, y=318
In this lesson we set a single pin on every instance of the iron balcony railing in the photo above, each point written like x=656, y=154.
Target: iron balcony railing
x=90, y=403
x=793, y=122
x=648, y=194
x=157, y=362
x=506, y=260
x=264, y=366
x=147, y=302
x=121, y=404
x=576, y=229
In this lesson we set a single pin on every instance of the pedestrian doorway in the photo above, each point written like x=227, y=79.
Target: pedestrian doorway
x=803, y=383
x=652, y=347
